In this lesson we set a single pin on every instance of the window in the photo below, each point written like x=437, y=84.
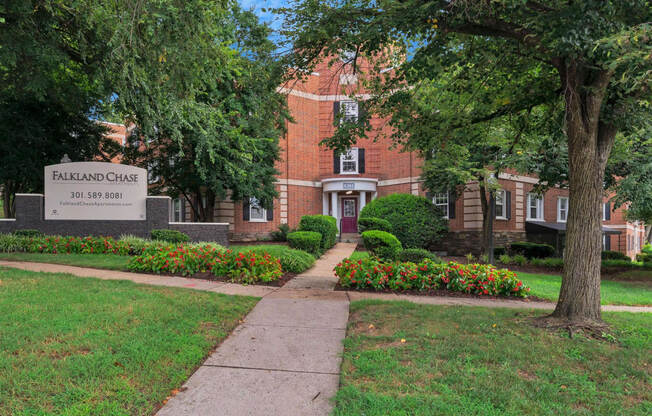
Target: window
x=534, y=207
x=349, y=111
x=499, y=204
x=606, y=211
x=177, y=210
x=562, y=209
x=606, y=240
x=349, y=161
x=441, y=201
x=256, y=212
x=152, y=174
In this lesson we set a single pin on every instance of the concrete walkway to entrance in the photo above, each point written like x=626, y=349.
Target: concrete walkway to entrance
x=283, y=360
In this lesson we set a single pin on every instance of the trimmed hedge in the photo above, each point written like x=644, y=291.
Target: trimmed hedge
x=532, y=250
x=382, y=244
x=292, y=260
x=322, y=224
x=309, y=241
x=415, y=221
x=417, y=255
x=614, y=255
x=373, y=223
x=171, y=236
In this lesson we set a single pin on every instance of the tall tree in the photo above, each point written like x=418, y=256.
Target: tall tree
x=599, y=52
x=173, y=67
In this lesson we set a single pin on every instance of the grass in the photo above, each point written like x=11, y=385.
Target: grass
x=478, y=361
x=612, y=292
x=359, y=255
x=98, y=261
x=74, y=346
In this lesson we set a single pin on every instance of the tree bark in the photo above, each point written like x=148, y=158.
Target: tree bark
x=589, y=145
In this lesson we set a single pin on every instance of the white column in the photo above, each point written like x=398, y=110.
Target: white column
x=325, y=203
x=374, y=195
x=363, y=199
x=335, y=208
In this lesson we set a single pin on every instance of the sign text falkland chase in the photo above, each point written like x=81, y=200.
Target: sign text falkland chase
x=95, y=191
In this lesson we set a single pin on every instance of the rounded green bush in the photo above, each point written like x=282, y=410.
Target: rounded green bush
x=373, y=223
x=532, y=250
x=171, y=236
x=322, y=224
x=414, y=220
x=382, y=244
x=417, y=255
x=309, y=241
x=614, y=255
x=292, y=260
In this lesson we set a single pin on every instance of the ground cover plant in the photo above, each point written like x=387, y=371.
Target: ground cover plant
x=406, y=359
x=106, y=347
x=611, y=292
x=478, y=279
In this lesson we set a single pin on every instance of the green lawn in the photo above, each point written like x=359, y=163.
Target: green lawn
x=478, y=361
x=78, y=346
x=612, y=292
x=99, y=261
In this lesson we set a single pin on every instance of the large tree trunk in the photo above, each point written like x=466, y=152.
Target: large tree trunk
x=589, y=145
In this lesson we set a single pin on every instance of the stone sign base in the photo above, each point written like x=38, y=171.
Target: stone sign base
x=30, y=215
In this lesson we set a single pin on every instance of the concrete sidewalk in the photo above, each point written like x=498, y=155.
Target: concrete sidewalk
x=283, y=360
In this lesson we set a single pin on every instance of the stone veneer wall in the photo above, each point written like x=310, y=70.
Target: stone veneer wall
x=461, y=243
x=30, y=215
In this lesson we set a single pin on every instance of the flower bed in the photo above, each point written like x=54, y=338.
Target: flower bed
x=239, y=266
x=477, y=279
x=77, y=245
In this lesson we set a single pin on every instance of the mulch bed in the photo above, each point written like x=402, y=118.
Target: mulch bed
x=257, y=243
x=442, y=293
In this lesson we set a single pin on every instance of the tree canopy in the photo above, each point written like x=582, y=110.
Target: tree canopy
x=508, y=61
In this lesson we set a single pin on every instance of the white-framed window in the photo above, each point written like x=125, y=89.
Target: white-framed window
x=534, y=207
x=349, y=161
x=177, y=210
x=604, y=242
x=441, y=201
x=256, y=212
x=349, y=110
x=499, y=203
x=605, y=211
x=562, y=209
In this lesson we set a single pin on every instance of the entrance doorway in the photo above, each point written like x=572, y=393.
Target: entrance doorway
x=349, y=215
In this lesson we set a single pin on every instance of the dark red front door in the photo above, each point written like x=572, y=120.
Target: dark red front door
x=349, y=215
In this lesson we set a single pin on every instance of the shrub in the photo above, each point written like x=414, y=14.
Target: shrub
x=77, y=245
x=184, y=260
x=626, y=264
x=504, y=259
x=136, y=244
x=373, y=223
x=552, y=262
x=309, y=241
x=484, y=259
x=281, y=234
x=519, y=260
x=417, y=255
x=10, y=243
x=414, y=220
x=469, y=257
x=532, y=250
x=647, y=248
x=171, y=236
x=28, y=233
x=614, y=255
x=644, y=257
x=292, y=261
x=382, y=244
x=499, y=251
x=479, y=279
x=322, y=224
x=247, y=267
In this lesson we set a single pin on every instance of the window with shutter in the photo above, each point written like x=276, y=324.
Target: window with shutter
x=500, y=208
x=349, y=111
x=256, y=212
x=349, y=162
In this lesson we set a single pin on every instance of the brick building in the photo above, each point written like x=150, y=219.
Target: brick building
x=314, y=180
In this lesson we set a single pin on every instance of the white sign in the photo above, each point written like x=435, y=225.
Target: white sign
x=95, y=191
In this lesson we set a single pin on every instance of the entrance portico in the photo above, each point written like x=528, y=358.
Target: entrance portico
x=344, y=198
